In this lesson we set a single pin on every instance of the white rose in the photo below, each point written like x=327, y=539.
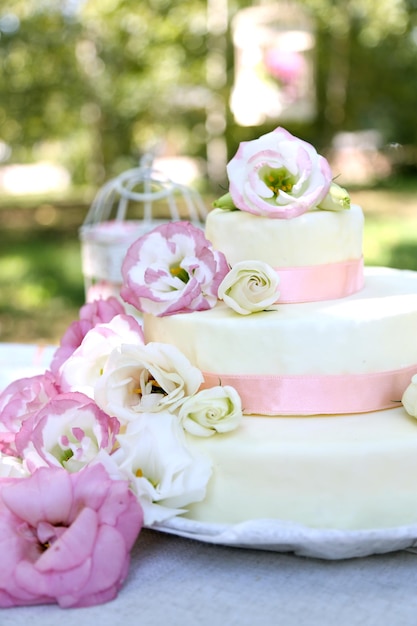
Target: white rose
x=164, y=474
x=409, y=398
x=218, y=409
x=250, y=286
x=149, y=378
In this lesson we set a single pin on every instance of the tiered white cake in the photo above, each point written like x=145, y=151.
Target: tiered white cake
x=325, y=440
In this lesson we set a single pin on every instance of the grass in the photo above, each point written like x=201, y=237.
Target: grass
x=390, y=235
x=41, y=281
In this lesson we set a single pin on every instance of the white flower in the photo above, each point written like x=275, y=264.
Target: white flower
x=218, y=409
x=250, y=286
x=149, y=378
x=11, y=467
x=337, y=198
x=85, y=366
x=163, y=472
x=409, y=398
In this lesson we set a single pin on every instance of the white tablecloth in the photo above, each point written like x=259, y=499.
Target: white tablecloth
x=181, y=582
x=178, y=581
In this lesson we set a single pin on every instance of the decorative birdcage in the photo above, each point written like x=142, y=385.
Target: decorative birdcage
x=124, y=209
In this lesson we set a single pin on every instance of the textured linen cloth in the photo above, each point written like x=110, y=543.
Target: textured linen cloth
x=181, y=582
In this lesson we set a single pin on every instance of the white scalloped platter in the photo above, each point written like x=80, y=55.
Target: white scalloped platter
x=279, y=536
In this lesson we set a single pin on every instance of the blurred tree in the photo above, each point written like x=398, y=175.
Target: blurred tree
x=145, y=63
x=41, y=88
x=102, y=81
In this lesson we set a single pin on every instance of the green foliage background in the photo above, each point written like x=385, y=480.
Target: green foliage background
x=96, y=83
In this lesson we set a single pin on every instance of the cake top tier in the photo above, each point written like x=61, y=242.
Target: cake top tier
x=285, y=232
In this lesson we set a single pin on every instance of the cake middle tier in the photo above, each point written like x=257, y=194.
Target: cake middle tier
x=354, y=354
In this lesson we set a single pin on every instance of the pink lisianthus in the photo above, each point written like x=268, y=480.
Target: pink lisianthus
x=172, y=269
x=278, y=176
x=93, y=313
x=20, y=400
x=70, y=431
x=82, y=370
x=101, y=311
x=65, y=538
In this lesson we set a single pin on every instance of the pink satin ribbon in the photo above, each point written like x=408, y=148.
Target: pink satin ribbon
x=320, y=282
x=317, y=395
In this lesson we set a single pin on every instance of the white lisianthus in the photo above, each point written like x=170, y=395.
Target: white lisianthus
x=150, y=378
x=409, y=398
x=11, y=467
x=210, y=411
x=250, y=286
x=163, y=472
x=85, y=366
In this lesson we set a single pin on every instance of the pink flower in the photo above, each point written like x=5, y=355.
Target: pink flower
x=91, y=314
x=286, y=65
x=19, y=401
x=172, y=269
x=101, y=311
x=65, y=538
x=278, y=176
x=69, y=431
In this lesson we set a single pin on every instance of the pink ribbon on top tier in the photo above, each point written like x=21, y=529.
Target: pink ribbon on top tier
x=313, y=283
x=316, y=395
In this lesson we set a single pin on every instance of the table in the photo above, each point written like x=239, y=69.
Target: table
x=175, y=581
x=181, y=582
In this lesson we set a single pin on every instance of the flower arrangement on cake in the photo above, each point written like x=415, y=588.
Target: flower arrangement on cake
x=94, y=448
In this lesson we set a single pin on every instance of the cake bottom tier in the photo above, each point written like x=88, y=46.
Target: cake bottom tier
x=344, y=472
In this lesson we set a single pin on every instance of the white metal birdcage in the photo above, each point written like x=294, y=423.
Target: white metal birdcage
x=124, y=209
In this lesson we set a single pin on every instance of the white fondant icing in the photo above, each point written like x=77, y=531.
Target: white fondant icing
x=337, y=471
x=373, y=330
x=314, y=238
x=345, y=472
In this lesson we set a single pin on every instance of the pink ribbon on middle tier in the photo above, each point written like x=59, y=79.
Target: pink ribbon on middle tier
x=329, y=281
x=316, y=394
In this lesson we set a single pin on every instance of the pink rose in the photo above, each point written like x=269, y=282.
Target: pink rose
x=172, y=269
x=70, y=431
x=19, y=401
x=278, y=176
x=93, y=313
x=65, y=538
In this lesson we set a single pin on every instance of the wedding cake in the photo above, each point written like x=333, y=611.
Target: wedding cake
x=259, y=372
x=321, y=365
